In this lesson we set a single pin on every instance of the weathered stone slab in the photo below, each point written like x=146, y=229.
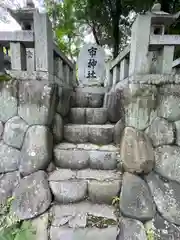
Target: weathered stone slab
x=95, y=100
x=8, y=100
x=177, y=128
x=14, y=132
x=1, y=129
x=32, y=196
x=136, y=200
x=8, y=182
x=118, y=131
x=10, y=158
x=161, y=132
x=74, y=159
x=162, y=229
x=58, y=127
x=64, y=97
x=166, y=197
x=36, y=102
x=101, y=134
x=79, y=99
x=77, y=115
x=102, y=160
x=76, y=133
x=136, y=151
x=131, y=229
x=36, y=150
x=103, y=192
x=167, y=162
x=69, y=191
x=62, y=174
x=83, y=234
x=96, y=115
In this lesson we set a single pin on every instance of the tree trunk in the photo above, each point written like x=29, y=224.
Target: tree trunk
x=116, y=34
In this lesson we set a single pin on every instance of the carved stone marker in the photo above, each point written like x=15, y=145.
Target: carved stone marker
x=91, y=65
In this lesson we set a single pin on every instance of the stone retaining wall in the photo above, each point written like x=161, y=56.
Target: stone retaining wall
x=150, y=154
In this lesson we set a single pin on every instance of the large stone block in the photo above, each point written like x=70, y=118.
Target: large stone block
x=102, y=160
x=40, y=225
x=36, y=102
x=79, y=99
x=69, y=191
x=95, y=100
x=64, y=97
x=161, y=132
x=32, y=196
x=8, y=100
x=166, y=195
x=167, y=162
x=74, y=159
x=83, y=234
x=14, y=132
x=96, y=115
x=8, y=182
x=77, y=115
x=76, y=133
x=136, y=200
x=136, y=151
x=36, y=150
x=58, y=128
x=101, y=134
x=10, y=158
x=131, y=229
x=103, y=192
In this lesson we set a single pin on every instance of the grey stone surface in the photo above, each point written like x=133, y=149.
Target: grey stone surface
x=167, y=162
x=166, y=196
x=74, y=159
x=83, y=234
x=136, y=151
x=1, y=129
x=51, y=167
x=136, y=200
x=58, y=128
x=36, y=102
x=177, y=127
x=95, y=100
x=162, y=229
x=169, y=107
x=62, y=174
x=118, y=131
x=40, y=224
x=78, y=221
x=14, y=132
x=8, y=100
x=32, y=196
x=10, y=158
x=36, y=150
x=103, y=192
x=77, y=115
x=59, y=211
x=79, y=99
x=96, y=115
x=101, y=134
x=69, y=191
x=8, y=182
x=161, y=132
x=63, y=101
x=102, y=160
x=131, y=229
x=76, y=133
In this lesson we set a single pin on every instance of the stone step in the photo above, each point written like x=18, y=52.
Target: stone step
x=99, y=186
x=83, y=220
x=88, y=97
x=97, y=134
x=88, y=115
x=79, y=156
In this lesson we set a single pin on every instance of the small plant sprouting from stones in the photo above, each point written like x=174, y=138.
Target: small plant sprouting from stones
x=150, y=234
x=115, y=201
x=11, y=228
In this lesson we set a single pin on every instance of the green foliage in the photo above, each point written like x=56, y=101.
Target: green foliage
x=150, y=234
x=5, y=77
x=11, y=228
x=115, y=200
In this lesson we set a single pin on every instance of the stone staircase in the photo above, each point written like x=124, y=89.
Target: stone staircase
x=87, y=178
